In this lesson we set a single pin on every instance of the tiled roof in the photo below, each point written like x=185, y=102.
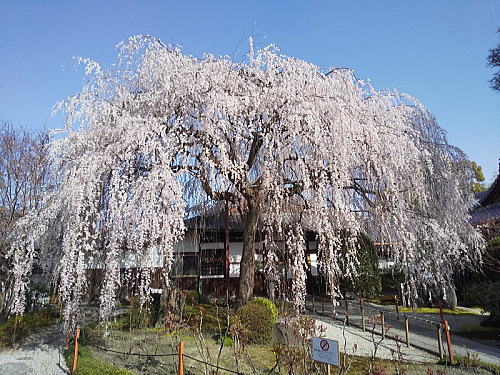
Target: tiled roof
x=485, y=214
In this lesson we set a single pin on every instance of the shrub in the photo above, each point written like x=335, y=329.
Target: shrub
x=17, y=327
x=486, y=295
x=268, y=304
x=192, y=297
x=259, y=322
x=138, y=317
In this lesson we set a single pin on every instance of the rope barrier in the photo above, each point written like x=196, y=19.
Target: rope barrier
x=165, y=355
x=137, y=354
x=214, y=366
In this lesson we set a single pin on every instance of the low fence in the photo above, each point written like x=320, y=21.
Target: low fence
x=320, y=306
x=180, y=355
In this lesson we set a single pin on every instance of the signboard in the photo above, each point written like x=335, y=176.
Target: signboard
x=325, y=350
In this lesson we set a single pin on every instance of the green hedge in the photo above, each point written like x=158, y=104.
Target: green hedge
x=268, y=304
x=258, y=320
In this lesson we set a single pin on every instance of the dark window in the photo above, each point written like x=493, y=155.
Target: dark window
x=213, y=261
x=185, y=264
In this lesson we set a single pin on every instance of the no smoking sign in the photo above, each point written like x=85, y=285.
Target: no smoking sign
x=325, y=350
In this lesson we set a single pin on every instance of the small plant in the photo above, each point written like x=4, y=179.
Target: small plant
x=269, y=305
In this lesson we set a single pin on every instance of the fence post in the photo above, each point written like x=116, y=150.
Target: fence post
x=75, y=355
x=448, y=339
x=181, y=358
x=407, y=332
x=397, y=306
x=362, y=311
x=440, y=341
x=346, y=312
x=382, y=323
x=67, y=336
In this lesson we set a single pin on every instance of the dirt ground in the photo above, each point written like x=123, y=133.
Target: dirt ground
x=256, y=360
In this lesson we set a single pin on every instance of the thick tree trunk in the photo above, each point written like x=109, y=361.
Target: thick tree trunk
x=247, y=264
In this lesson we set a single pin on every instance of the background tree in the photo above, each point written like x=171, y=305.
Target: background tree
x=24, y=166
x=494, y=62
x=290, y=146
x=478, y=184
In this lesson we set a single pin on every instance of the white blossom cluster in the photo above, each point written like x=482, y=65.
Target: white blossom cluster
x=299, y=148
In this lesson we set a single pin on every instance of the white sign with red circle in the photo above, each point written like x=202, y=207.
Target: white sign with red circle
x=325, y=350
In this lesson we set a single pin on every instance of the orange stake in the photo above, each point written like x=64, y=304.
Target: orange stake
x=75, y=356
x=448, y=339
x=181, y=358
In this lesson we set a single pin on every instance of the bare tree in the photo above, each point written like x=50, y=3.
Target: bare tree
x=23, y=176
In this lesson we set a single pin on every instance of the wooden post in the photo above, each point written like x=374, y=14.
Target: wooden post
x=346, y=312
x=448, y=339
x=181, y=358
x=397, y=306
x=407, y=332
x=362, y=311
x=440, y=341
x=329, y=369
x=67, y=337
x=75, y=355
x=382, y=323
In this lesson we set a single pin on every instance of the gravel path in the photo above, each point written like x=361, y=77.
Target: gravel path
x=39, y=354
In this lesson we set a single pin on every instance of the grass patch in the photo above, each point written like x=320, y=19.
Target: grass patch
x=89, y=365
x=471, y=361
x=479, y=332
x=17, y=327
x=435, y=310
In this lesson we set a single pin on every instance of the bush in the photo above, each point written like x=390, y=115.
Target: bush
x=391, y=281
x=486, y=295
x=259, y=322
x=192, y=297
x=138, y=317
x=88, y=365
x=268, y=304
x=16, y=327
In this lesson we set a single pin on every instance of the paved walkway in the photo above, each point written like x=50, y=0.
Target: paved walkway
x=40, y=354
x=422, y=327
x=354, y=341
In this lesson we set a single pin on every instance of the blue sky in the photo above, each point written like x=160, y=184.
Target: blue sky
x=434, y=50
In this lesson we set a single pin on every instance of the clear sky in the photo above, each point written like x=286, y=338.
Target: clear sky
x=434, y=50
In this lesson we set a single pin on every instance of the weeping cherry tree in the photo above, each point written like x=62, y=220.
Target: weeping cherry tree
x=293, y=147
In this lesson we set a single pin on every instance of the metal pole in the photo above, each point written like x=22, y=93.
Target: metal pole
x=407, y=332
x=448, y=339
x=440, y=341
x=382, y=323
